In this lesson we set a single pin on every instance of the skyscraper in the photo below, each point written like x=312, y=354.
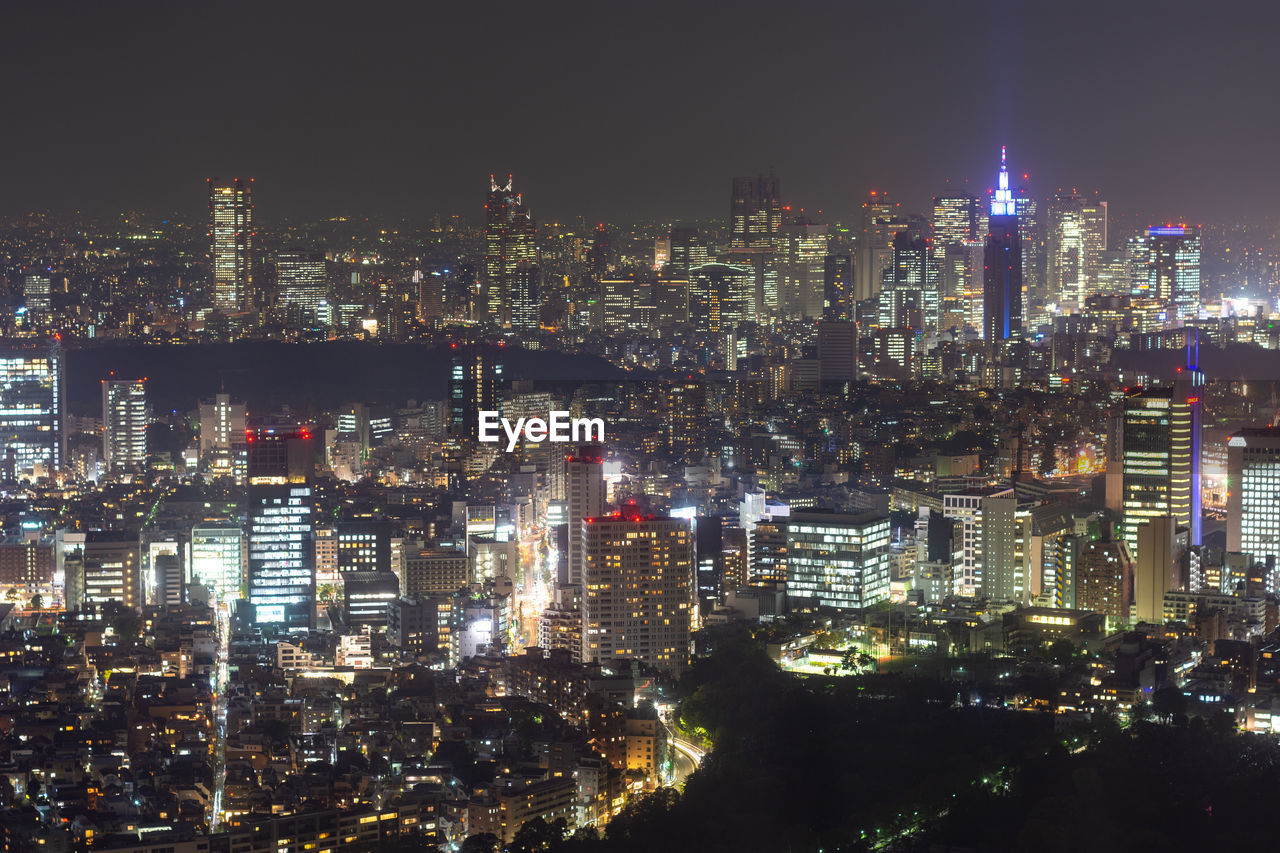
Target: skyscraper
x=804, y=250
x=1173, y=270
x=909, y=297
x=302, y=280
x=881, y=219
x=755, y=213
x=584, y=488
x=1253, y=496
x=1065, y=249
x=1161, y=468
x=475, y=379
x=837, y=286
x=1002, y=265
x=231, y=238
x=124, y=423
x=509, y=242
x=281, y=531
x=638, y=595
x=32, y=391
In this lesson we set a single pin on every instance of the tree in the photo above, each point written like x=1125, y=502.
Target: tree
x=538, y=836
x=1168, y=702
x=37, y=602
x=484, y=842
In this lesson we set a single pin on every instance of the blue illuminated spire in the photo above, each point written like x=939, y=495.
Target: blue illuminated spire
x=1004, y=204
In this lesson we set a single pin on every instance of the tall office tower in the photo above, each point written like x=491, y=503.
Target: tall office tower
x=1253, y=501
x=1160, y=448
x=1155, y=568
x=755, y=213
x=124, y=423
x=1030, y=224
x=32, y=394
x=721, y=296
x=804, y=250
x=509, y=241
x=37, y=297
x=881, y=219
x=218, y=559
x=302, y=280
x=1093, y=216
x=670, y=293
x=231, y=240
x=838, y=560
x=584, y=488
x=1104, y=580
x=1186, y=434
x=619, y=297
x=638, y=595
x=955, y=220
x=222, y=424
x=909, y=298
x=708, y=547
x=1173, y=270
x=686, y=419
x=600, y=255
x=1137, y=254
x=1002, y=265
x=837, y=286
x=689, y=249
x=1065, y=249
x=109, y=570
x=281, y=537
x=475, y=382
x=837, y=354
x=525, y=292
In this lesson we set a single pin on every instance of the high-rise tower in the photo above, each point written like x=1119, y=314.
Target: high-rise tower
x=282, y=585
x=1002, y=264
x=124, y=423
x=509, y=243
x=231, y=238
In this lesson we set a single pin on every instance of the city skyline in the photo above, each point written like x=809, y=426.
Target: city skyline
x=355, y=137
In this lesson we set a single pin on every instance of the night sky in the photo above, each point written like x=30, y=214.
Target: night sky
x=621, y=111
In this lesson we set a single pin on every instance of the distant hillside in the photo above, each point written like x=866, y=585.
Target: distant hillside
x=306, y=376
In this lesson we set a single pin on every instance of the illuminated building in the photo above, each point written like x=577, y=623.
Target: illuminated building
x=993, y=540
x=837, y=560
x=909, y=295
x=1161, y=458
x=585, y=498
x=689, y=249
x=302, y=280
x=1065, y=249
x=435, y=572
x=364, y=546
x=1104, y=580
x=218, y=559
x=955, y=221
x=1173, y=270
x=32, y=391
x=231, y=238
x=109, y=569
x=670, y=296
x=37, y=296
x=837, y=287
x=881, y=219
x=1093, y=217
x=509, y=242
x=524, y=292
x=755, y=213
x=638, y=594
x=1154, y=568
x=475, y=377
x=1253, y=494
x=281, y=584
x=720, y=297
x=1002, y=265
x=837, y=353
x=124, y=423
x=804, y=251
x=366, y=597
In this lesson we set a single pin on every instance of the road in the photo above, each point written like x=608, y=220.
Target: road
x=220, y=686
x=686, y=757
